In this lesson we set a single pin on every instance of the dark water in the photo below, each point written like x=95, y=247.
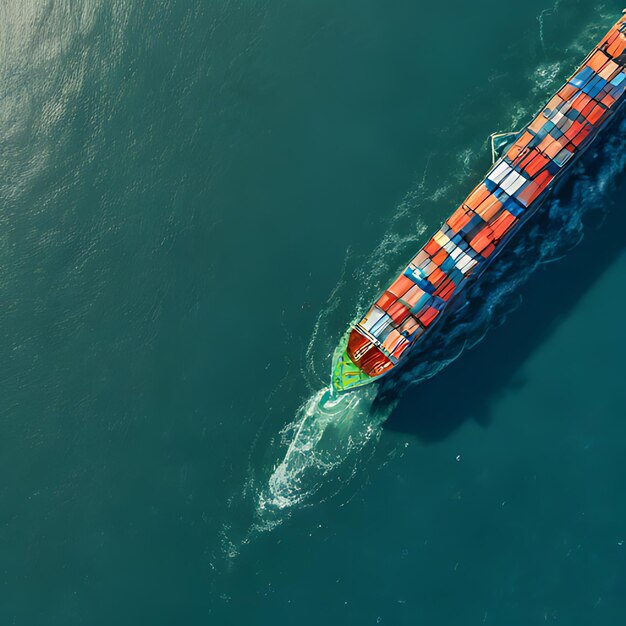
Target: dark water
x=196, y=198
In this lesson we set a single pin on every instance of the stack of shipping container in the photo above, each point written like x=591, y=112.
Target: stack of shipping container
x=515, y=187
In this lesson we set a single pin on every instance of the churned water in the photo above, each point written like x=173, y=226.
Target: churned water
x=196, y=199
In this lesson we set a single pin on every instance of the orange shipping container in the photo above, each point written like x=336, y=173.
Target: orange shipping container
x=617, y=47
x=515, y=154
x=610, y=71
x=502, y=224
x=477, y=197
x=432, y=247
x=437, y=277
x=543, y=180
x=386, y=300
x=409, y=326
x=581, y=101
x=608, y=101
x=412, y=296
x=588, y=108
x=519, y=145
x=556, y=146
x=400, y=286
x=400, y=348
x=567, y=92
x=489, y=208
x=573, y=130
x=440, y=257
x=556, y=102
x=538, y=123
x=546, y=142
x=459, y=219
x=391, y=340
x=597, y=61
x=482, y=239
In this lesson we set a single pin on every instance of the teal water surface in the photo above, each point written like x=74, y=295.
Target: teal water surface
x=196, y=199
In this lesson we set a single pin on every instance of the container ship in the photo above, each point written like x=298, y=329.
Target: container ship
x=517, y=184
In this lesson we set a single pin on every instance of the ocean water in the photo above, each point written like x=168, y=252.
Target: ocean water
x=196, y=198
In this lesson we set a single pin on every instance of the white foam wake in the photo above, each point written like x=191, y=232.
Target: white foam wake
x=326, y=431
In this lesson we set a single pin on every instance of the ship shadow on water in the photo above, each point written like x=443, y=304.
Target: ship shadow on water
x=467, y=388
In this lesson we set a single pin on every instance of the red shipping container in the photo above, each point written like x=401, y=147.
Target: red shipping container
x=596, y=114
x=535, y=162
x=529, y=193
x=385, y=301
x=582, y=135
x=447, y=291
x=488, y=251
x=398, y=312
x=573, y=130
x=543, y=180
x=428, y=316
x=444, y=285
